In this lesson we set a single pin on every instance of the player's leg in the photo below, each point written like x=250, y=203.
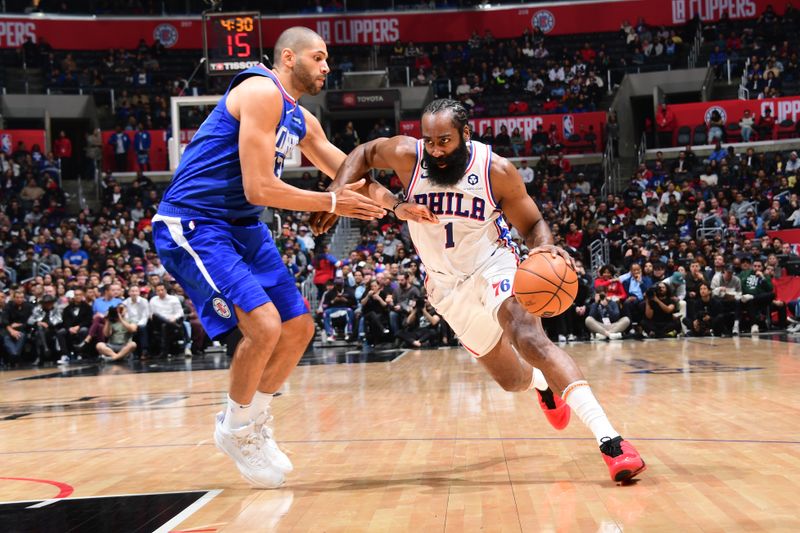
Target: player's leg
x=209, y=260
x=469, y=309
x=517, y=375
x=297, y=330
x=528, y=337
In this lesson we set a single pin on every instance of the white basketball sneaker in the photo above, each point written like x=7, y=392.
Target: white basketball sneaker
x=272, y=453
x=245, y=446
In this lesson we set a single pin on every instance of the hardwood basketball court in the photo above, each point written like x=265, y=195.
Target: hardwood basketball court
x=426, y=442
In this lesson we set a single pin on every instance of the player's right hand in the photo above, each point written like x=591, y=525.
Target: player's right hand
x=350, y=203
x=321, y=222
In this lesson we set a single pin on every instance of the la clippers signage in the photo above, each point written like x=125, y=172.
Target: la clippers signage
x=356, y=100
x=566, y=125
x=102, y=33
x=732, y=110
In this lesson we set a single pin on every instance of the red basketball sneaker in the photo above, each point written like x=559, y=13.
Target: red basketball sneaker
x=622, y=459
x=556, y=410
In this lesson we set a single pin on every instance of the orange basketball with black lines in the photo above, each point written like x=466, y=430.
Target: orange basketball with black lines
x=545, y=285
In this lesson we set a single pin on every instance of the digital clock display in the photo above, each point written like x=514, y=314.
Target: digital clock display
x=232, y=42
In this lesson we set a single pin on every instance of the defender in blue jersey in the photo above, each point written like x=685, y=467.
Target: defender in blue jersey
x=208, y=236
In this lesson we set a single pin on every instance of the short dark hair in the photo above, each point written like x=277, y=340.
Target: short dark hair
x=458, y=111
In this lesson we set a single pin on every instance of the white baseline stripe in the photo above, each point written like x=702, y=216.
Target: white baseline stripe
x=176, y=232
x=189, y=511
x=15, y=502
x=44, y=503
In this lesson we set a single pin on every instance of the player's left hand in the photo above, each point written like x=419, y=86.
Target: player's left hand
x=555, y=251
x=415, y=213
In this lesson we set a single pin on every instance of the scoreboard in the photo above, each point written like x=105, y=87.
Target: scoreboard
x=231, y=42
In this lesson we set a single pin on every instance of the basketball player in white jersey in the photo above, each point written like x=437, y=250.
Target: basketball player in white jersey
x=470, y=263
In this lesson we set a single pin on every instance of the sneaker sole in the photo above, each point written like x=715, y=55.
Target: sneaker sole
x=627, y=475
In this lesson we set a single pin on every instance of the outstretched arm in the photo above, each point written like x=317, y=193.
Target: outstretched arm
x=397, y=153
x=258, y=105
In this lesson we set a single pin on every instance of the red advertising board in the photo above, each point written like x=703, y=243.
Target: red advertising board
x=732, y=110
x=383, y=27
x=577, y=123
x=10, y=138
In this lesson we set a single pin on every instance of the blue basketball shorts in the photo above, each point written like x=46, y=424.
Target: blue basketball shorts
x=220, y=266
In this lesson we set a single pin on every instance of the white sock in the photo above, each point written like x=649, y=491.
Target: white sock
x=236, y=415
x=260, y=403
x=538, y=381
x=581, y=400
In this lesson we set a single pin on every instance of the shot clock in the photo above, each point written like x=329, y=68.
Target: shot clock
x=232, y=42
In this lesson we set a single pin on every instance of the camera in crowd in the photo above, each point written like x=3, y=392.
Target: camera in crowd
x=650, y=293
x=113, y=313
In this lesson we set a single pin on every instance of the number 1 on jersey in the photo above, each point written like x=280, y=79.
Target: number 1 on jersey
x=448, y=229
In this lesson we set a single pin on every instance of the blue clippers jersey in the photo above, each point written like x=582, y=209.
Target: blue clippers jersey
x=208, y=180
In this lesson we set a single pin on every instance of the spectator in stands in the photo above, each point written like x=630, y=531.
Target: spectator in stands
x=728, y=288
x=716, y=127
x=338, y=299
x=766, y=125
x=660, y=305
x=421, y=325
x=141, y=144
x=611, y=285
x=76, y=321
x=138, y=314
x=717, y=60
x=76, y=256
x=324, y=269
x=758, y=294
x=62, y=147
x=665, y=125
x=166, y=319
x=118, y=333
x=375, y=313
x=746, y=123
x=120, y=144
x=349, y=138
x=502, y=142
x=44, y=321
x=401, y=299
x=16, y=314
x=488, y=136
x=705, y=314
x=517, y=143
x=792, y=165
x=604, y=319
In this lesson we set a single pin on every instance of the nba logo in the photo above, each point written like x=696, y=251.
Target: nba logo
x=6, y=143
x=568, y=124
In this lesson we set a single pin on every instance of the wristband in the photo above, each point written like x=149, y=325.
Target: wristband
x=397, y=204
x=333, y=202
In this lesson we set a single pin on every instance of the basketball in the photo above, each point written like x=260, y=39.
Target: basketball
x=545, y=285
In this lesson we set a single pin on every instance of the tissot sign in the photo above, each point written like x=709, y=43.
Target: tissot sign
x=102, y=33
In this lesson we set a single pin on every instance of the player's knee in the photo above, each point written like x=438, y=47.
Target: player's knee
x=266, y=331
x=306, y=329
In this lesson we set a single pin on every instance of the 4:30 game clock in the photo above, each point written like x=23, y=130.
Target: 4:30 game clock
x=232, y=42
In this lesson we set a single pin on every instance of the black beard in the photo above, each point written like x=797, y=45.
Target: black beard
x=452, y=172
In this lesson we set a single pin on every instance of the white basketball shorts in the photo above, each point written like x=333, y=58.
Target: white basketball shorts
x=470, y=306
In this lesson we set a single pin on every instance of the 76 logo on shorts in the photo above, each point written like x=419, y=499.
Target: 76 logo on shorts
x=501, y=286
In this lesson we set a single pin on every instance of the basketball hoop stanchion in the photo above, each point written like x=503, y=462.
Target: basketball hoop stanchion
x=194, y=73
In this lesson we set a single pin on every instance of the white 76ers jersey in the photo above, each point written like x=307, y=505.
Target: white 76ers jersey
x=471, y=225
